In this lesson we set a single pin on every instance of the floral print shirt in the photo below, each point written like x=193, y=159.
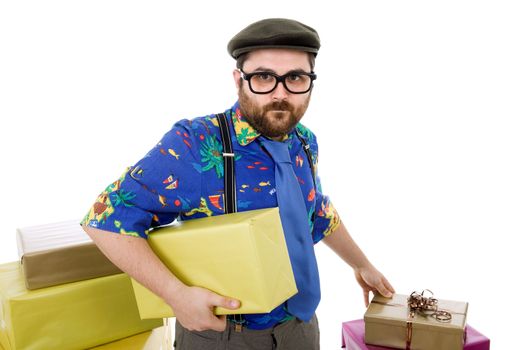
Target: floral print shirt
x=182, y=178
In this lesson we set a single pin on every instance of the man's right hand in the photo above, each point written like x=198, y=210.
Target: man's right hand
x=193, y=308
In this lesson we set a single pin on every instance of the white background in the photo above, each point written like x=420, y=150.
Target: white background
x=419, y=111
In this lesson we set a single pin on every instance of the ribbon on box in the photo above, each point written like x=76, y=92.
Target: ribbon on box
x=418, y=303
x=425, y=306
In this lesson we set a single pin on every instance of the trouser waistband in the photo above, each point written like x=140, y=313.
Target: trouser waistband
x=239, y=321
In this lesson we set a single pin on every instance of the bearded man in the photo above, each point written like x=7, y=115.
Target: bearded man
x=182, y=178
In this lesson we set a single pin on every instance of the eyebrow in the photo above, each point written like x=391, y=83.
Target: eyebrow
x=264, y=69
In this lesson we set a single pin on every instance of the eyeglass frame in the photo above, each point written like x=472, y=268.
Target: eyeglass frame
x=278, y=79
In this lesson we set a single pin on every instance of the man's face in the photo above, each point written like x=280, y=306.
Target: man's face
x=276, y=113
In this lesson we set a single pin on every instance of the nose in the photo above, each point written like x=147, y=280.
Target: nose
x=280, y=92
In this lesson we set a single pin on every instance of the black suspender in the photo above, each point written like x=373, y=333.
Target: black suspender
x=230, y=195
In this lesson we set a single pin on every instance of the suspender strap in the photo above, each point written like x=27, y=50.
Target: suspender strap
x=306, y=148
x=230, y=197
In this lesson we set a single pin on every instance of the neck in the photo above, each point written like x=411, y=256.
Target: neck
x=278, y=138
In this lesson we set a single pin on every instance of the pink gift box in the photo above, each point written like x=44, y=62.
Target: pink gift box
x=354, y=338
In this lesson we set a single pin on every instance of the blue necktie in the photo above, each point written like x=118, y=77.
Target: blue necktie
x=294, y=218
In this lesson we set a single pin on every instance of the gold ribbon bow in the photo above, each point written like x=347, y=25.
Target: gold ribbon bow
x=418, y=303
x=427, y=306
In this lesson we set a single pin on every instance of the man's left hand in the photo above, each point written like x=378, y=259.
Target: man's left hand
x=371, y=280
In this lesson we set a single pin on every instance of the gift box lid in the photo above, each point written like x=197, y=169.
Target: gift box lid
x=394, y=311
x=50, y=236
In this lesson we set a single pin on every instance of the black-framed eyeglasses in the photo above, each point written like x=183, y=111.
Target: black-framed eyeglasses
x=265, y=82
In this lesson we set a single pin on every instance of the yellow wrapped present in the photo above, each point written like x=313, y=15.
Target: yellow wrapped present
x=156, y=339
x=415, y=322
x=76, y=315
x=241, y=255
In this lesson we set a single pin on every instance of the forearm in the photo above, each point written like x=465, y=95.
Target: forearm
x=134, y=257
x=343, y=245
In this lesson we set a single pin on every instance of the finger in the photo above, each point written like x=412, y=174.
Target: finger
x=366, y=294
x=382, y=289
x=228, y=303
x=220, y=323
x=388, y=285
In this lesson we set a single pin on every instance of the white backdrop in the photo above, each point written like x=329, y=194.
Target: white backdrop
x=419, y=111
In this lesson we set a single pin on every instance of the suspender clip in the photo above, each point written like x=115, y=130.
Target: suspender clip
x=238, y=322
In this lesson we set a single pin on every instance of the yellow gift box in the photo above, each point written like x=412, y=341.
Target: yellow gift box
x=156, y=339
x=76, y=315
x=241, y=255
x=390, y=323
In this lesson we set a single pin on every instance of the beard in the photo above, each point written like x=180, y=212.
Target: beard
x=273, y=119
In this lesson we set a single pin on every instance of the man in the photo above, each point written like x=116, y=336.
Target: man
x=182, y=177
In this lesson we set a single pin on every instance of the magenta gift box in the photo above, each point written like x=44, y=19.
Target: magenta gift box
x=354, y=338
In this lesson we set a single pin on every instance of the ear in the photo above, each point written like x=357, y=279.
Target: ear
x=236, y=78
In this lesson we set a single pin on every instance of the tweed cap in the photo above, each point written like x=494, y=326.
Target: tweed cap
x=275, y=33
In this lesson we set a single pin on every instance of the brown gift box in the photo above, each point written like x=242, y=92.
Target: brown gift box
x=58, y=253
x=388, y=323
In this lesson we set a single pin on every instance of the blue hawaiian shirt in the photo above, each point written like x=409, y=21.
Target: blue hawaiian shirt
x=182, y=178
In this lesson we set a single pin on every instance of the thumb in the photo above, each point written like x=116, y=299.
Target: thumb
x=225, y=302
x=383, y=291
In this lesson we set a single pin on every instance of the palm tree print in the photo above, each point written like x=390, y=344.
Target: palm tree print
x=211, y=152
x=122, y=197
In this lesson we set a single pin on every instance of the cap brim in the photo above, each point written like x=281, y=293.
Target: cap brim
x=238, y=52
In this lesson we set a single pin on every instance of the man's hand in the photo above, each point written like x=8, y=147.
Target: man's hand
x=366, y=274
x=193, y=308
x=371, y=280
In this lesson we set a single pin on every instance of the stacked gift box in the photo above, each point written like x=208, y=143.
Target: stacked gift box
x=413, y=322
x=65, y=294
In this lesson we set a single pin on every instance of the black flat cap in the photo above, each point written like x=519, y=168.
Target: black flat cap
x=275, y=33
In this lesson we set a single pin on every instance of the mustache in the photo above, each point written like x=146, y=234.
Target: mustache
x=279, y=106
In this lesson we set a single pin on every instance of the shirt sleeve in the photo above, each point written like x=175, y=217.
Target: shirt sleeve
x=325, y=219
x=154, y=191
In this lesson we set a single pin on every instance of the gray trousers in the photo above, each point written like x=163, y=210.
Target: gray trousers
x=290, y=335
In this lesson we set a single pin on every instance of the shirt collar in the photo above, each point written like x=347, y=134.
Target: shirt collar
x=244, y=132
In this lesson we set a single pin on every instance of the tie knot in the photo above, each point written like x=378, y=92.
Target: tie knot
x=278, y=150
